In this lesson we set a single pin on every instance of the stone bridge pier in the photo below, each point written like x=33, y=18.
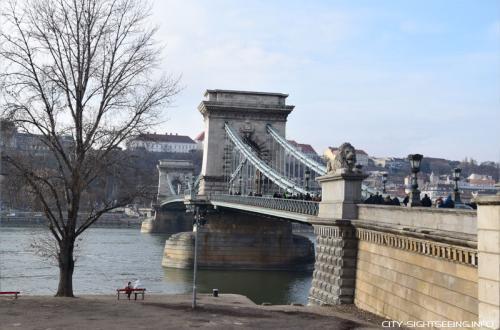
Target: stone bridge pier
x=239, y=240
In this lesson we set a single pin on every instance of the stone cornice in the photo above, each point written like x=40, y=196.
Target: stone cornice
x=328, y=221
x=420, y=209
x=488, y=200
x=348, y=176
x=456, y=249
x=458, y=239
x=232, y=91
x=241, y=110
x=453, y=253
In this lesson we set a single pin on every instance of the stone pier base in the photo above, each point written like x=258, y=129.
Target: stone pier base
x=236, y=240
x=168, y=221
x=335, y=267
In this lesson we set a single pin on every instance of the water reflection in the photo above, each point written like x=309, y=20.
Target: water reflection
x=276, y=287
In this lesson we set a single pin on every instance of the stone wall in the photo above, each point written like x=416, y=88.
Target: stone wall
x=450, y=220
x=488, y=237
x=409, y=279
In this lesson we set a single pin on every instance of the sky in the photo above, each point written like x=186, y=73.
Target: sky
x=391, y=77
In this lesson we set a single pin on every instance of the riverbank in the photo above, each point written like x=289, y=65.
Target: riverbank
x=228, y=311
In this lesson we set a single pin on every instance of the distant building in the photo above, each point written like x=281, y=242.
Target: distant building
x=34, y=144
x=443, y=185
x=407, y=183
x=306, y=149
x=481, y=180
x=382, y=161
x=162, y=143
x=489, y=163
x=361, y=155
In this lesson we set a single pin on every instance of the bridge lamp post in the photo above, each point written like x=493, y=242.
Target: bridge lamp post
x=199, y=221
x=307, y=177
x=456, y=177
x=240, y=181
x=384, y=182
x=415, y=161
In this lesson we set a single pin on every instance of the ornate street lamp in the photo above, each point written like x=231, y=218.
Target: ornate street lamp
x=456, y=193
x=415, y=160
x=384, y=181
x=307, y=176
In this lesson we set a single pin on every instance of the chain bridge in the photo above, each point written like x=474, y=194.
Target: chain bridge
x=246, y=154
x=403, y=263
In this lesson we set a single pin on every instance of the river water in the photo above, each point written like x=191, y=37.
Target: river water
x=107, y=258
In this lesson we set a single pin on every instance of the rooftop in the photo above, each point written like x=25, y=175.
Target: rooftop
x=245, y=97
x=200, y=137
x=303, y=147
x=230, y=91
x=164, y=138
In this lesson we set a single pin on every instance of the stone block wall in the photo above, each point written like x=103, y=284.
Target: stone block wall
x=406, y=279
x=335, y=266
x=236, y=240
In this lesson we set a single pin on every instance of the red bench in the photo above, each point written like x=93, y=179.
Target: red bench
x=134, y=291
x=15, y=293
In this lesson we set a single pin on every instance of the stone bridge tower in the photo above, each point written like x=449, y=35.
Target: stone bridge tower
x=247, y=113
x=173, y=175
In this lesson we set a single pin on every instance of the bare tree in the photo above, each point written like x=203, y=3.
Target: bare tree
x=83, y=69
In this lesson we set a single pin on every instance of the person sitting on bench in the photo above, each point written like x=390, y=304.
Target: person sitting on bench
x=128, y=290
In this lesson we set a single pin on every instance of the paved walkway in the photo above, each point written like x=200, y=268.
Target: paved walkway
x=228, y=311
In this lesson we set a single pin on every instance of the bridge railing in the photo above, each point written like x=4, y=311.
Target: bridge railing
x=288, y=205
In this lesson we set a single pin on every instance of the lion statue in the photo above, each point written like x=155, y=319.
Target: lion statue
x=344, y=160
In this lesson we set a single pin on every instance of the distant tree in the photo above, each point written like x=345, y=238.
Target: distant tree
x=84, y=69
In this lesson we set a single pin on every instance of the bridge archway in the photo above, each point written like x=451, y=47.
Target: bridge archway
x=174, y=177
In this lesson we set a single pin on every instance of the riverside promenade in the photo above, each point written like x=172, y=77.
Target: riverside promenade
x=228, y=311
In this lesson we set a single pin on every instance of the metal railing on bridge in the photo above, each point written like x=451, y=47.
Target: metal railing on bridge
x=287, y=205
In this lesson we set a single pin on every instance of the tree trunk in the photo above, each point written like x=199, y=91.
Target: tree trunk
x=66, y=268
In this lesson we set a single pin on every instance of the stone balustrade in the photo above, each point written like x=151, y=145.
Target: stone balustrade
x=431, y=218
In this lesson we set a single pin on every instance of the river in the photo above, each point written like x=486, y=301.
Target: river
x=107, y=258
